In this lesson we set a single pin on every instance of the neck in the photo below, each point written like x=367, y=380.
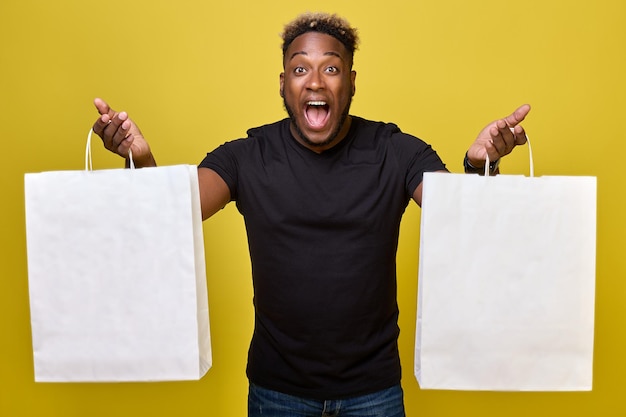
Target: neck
x=318, y=147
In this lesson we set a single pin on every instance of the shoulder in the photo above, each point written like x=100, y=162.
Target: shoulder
x=372, y=127
x=256, y=138
x=386, y=132
x=271, y=130
x=406, y=149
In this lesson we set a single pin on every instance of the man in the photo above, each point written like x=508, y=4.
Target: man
x=322, y=194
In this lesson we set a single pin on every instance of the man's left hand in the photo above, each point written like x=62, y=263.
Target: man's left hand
x=499, y=138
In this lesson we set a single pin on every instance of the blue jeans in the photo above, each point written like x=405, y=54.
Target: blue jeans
x=267, y=403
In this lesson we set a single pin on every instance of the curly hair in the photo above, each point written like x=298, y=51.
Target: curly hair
x=330, y=24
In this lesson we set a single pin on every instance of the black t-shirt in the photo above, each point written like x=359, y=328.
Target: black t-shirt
x=323, y=234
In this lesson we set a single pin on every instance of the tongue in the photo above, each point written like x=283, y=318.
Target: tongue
x=316, y=115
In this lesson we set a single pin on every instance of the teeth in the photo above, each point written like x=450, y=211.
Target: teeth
x=316, y=103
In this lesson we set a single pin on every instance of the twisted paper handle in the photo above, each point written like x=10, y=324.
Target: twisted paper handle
x=530, y=158
x=88, y=161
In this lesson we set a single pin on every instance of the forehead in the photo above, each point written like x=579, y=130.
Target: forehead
x=316, y=43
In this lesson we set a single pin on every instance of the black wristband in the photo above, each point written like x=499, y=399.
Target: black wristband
x=471, y=169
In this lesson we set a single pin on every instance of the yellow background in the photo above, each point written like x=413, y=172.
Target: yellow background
x=194, y=74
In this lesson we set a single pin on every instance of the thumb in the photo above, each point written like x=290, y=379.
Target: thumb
x=518, y=115
x=103, y=108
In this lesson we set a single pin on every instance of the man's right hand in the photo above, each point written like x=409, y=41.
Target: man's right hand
x=119, y=134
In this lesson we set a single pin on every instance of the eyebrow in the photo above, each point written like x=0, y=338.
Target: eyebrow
x=329, y=53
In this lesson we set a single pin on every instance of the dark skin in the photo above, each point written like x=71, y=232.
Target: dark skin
x=317, y=69
x=317, y=86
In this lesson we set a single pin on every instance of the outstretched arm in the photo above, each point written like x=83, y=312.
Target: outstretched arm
x=119, y=134
x=497, y=139
x=214, y=192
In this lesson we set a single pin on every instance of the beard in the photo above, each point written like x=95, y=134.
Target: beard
x=331, y=137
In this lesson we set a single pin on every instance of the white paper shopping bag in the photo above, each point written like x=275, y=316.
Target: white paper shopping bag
x=116, y=275
x=506, y=283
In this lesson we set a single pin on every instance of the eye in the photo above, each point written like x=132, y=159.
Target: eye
x=299, y=70
x=332, y=70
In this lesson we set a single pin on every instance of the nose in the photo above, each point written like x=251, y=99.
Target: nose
x=315, y=81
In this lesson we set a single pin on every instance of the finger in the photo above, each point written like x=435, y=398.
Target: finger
x=123, y=138
x=502, y=137
x=492, y=151
x=106, y=114
x=103, y=108
x=517, y=116
x=519, y=135
x=99, y=125
x=116, y=131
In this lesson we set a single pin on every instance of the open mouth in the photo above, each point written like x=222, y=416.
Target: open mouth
x=316, y=113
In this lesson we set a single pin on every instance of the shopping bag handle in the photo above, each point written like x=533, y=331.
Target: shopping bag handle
x=89, y=163
x=530, y=158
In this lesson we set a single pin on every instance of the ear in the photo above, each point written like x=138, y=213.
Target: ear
x=282, y=84
x=353, y=81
